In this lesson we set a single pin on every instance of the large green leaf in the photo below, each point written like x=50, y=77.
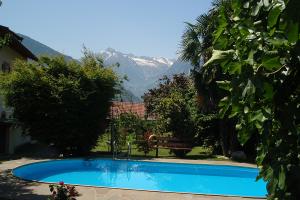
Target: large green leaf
x=244, y=135
x=218, y=56
x=246, y=5
x=270, y=62
x=235, y=68
x=260, y=158
x=266, y=3
x=257, y=116
x=278, y=42
x=222, y=25
x=246, y=109
x=224, y=105
x=250, y=59
x=293, y=31
x=236, y=6
x=274, y=14
x=269, y=93
x=235, y=109
x=269, y=173
x=249, y=89
x=281, y=178
x=256, y=9
x=225, y=85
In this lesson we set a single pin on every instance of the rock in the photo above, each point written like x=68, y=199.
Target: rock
x=238, y=155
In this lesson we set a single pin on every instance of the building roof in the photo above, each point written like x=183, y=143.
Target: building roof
x=16, y=43
x=117, y=108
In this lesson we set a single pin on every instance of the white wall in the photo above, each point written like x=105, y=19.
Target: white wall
x=8, y=55
x=16, y=138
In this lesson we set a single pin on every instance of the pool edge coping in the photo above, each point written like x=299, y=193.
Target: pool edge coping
x=134, y=160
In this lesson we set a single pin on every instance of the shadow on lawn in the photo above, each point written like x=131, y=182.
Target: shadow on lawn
x=12, y=188
x=203, y=156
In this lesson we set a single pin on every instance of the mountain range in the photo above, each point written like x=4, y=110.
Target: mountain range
x=40, y=49
x=142, y=72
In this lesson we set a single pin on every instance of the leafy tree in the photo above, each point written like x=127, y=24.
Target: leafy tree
x=174, y=103
x=196, y=44
x=129, y=127
x=257, y=45
x=60, y=102
x=207, y=132
x=196, y=47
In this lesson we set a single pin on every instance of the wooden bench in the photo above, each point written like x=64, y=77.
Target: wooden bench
x=169, y=143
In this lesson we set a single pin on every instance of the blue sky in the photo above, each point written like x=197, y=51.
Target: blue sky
x=141, y=27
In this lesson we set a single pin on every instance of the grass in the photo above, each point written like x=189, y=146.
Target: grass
x=103, y=149
x=197, y=152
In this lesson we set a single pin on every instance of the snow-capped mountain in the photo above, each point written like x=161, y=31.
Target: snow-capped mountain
x=143, y=72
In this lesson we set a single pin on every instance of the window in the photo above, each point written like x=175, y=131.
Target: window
x=5, y=67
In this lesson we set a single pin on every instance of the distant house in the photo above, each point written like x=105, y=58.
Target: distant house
x=118, y=108
x=10, y=134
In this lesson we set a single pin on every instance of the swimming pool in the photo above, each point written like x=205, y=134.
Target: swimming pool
x=153, y=176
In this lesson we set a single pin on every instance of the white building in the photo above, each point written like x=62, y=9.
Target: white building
x=10, y=133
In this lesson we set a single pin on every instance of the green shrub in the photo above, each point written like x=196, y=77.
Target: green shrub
x=60, y=102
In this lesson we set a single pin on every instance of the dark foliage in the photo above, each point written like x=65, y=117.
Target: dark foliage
x=257, y=45
x=174, y=104
x=59, y=102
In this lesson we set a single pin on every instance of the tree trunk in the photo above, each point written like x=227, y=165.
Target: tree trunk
x=223, y=129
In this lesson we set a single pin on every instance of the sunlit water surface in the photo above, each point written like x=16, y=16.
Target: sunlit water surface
x=168, y=177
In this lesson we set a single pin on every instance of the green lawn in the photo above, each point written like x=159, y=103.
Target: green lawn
x=103, y=149
x=196, y=153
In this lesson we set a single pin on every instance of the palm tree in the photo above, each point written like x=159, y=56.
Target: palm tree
x=196, y=47
x=196, y=43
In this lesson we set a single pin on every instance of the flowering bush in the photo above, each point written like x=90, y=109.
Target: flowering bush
x=63, y=192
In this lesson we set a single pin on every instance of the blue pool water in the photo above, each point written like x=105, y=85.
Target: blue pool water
x=156, y=176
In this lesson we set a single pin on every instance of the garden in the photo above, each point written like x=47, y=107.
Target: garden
x=240, y=101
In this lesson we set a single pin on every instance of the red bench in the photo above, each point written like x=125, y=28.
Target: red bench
x=168, y=143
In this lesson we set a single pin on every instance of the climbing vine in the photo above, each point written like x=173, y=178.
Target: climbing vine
x=4, y=40
x=257, y=45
